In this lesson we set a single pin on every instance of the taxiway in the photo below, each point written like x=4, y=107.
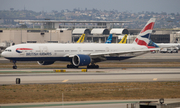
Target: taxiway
x=47, y=76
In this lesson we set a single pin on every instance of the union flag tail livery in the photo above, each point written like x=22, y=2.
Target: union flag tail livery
x=144, y=36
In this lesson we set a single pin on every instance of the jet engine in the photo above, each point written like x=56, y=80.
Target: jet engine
x=45, y=62
x=81, y=60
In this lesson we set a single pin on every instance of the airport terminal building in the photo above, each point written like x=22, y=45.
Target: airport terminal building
x=70, y=31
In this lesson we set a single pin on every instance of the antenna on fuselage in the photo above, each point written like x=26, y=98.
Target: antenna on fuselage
x=13, y=44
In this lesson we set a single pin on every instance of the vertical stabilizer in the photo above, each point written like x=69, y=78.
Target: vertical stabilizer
x=109, y=39
x=124, y=39
x=144, y=36
x=81, y=39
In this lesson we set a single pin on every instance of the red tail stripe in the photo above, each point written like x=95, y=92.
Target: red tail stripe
x=148, y=27
x=141, y=42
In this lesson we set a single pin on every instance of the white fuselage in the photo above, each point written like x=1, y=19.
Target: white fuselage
x=34, y=52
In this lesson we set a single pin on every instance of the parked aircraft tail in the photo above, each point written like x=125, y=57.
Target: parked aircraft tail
x=124, y=39
x=109, y=39
x=144, y=36
x=81, y=39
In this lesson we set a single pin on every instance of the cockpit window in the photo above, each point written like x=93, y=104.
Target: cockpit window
x=8, y=50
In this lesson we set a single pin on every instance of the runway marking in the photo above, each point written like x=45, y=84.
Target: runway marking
x=154, y=79
x=65, y=80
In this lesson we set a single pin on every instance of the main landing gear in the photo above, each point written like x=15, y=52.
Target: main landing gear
x=14, y=64
x=93, y=66
x=72, y=66
x=88, y=66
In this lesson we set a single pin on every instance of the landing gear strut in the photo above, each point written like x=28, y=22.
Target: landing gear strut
x=72, y=66
x=14, y=66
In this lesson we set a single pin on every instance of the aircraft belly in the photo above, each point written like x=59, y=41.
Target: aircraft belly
x=40, y=58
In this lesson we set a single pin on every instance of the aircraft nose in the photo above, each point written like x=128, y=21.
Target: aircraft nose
x=3, y=54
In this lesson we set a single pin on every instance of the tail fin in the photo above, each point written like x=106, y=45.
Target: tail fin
x=81, y=39
x=124, y=39
x=109, y=39
x=144, y=36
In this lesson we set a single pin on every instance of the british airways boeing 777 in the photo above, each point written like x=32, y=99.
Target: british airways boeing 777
x=82, y=54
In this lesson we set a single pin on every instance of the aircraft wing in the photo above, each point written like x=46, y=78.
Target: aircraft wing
x=114, y=53
x=123, y=52
x=69, y=55
x=168, y=45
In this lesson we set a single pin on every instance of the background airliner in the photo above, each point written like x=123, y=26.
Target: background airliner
x=81, y=39
x=109, y=39
x=123, y=40
x=82, y=54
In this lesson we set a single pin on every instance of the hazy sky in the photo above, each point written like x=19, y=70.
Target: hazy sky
x=169, y=6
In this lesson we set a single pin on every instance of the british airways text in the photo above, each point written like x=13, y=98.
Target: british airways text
x=36, y=54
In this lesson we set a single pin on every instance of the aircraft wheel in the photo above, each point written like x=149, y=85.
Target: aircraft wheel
x=97, y=66
x=93, y=66
x=72, y=66
x=89, y=67
x=76, y=66
x=14, y=67
x=69, y=66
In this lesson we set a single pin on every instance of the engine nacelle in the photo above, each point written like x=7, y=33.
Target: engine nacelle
x=81, y=60
x=45, y=62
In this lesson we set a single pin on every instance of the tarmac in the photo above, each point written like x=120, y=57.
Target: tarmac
x=48, y=76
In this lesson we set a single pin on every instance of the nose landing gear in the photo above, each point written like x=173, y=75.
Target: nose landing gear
x=14, y=67
x=14, y=64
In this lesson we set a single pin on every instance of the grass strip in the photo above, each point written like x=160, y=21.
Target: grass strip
x=88, y=92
